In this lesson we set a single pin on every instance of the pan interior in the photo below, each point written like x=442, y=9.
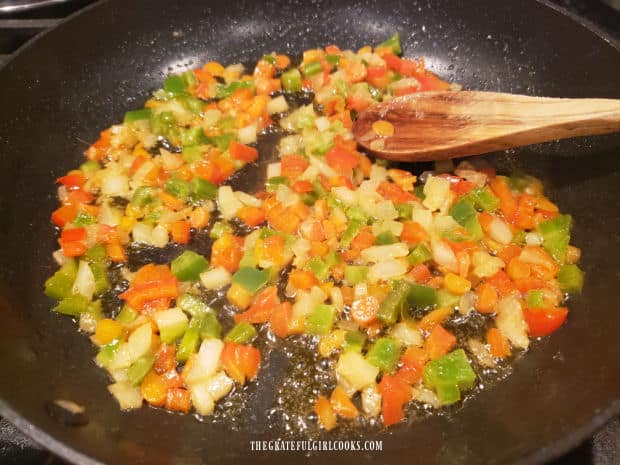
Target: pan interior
x=60, y=91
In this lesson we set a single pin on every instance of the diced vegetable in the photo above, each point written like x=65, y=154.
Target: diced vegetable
x=449, y=376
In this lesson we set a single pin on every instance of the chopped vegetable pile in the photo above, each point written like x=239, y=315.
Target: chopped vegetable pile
x=375, y=266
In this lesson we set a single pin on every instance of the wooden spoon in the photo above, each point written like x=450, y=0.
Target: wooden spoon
x=440, y=125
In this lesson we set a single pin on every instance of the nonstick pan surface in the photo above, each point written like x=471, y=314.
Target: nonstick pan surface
x=61, y=90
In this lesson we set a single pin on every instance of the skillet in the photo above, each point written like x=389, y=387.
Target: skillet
x=81, y=77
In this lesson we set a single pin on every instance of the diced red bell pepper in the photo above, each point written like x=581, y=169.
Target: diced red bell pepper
x=544, y=321
x=243, y=152
x=261, y=309
x=74, y=179
x=341, y=159
x=395, y=393
x=63, y=215
x=241, y=362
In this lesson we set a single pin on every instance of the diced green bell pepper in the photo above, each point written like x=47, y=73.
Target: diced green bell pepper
x=192, y=153
x=465, y=215
x=211, y=327
x=144, y=196
x=90, y=165
x=333, y=59
x=420, y=254
x=269, y=59
x=355, y=274
x=140, y=368
x=421, y=296
x=519, y=237
x=107, y=353
x=419, y=192
x=202, y=189
x=127, y=315
x=354, y=340
x=274, y=181
x=193, y=305
x=556, y=236
x=241, y=333
x=251, y=279
x=446, y=299
x=483, y=198
x=175, y=85
x=392, y=305
x=385, y=238
x=320, y=321
x=394, y=43
x=353, y=229
x=193, y=136
x=534, y=298
x=312, y=68
x=96, y=253
x=84, y=219
x=72, y=305
x=178, y=187
x=188, y=266
x=446, y=373
x=226, y=90
x=59, y=285
x=191, y=339
x=404, y=210
x=100, y=274
x=137, y=115
x=222, y=141
x=219, y=229
x=318, y=267
x=189, y=78
x=291, y=80
x=356, y=213
x=384, y=354
x=570, y=278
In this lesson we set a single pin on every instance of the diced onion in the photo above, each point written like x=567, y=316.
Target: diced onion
x=215, y=278
x=436, y=191
x=480, y=351
x=273, y=170
x=443, y=255
x=247, y=134
x=484, y=265
x=423, y=217
x=500, y=231
x=379, y=253
x=371, y=400
x=228, y=202
x=277, y=105
x=205, y=362
x=84, y=283
x=533, y=238
x=127, y=395
x=139, y=342
x=387, y=269
x=353, y=368
x=322, y=123
x=407, y=333
x=248, y=199
x=159, y=236
x=510, y=322
x=345, y=195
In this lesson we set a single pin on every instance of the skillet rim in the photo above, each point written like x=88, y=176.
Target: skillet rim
x=554, y=449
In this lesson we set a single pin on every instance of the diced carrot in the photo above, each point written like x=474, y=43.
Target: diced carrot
x=507, y=202
x=517, y=269
x=487, y=298
x=420, y=273
x=171, y=201
x=180, y=231
x=283, y=219
x=178, y=399
x=227, y=252
x=325, y=413
x=241, y=362
x=502, y=282
x=342, y=405
x=73, y=249
x=412, y=365
x=273, y=249
x=462, y=187
x=164, y=359
x=252, y=216
x=242, y=152
x=394, y=192
x=261, y=309
x=63, y=215
x=395, y=393
x=282, y=61
x=301, y=187
x=364, y=310
x=414, y=233
x=115, y=252
x=173, y=379
x=280, y=319
x=523, y=216
x=199, y=218
x=509, y=252
x=342, y=159
x=348, y=295
x=500, y=347
x=439, y=342
x=301, y=279
x=293, y=165
x=75, y=179
x=435, y=317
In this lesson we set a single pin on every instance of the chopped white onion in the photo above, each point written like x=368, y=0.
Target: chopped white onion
x=510, y=322
x=436, y=191
x=371, y=400
x=500, y=231
x=274, y=169
x=215, y=278
x=443, y=255
x=277, y=105
x=84, y=283
x=387, y=269
x=247, y=134
x=228, y=202
x=379, y=253
x=127, y=395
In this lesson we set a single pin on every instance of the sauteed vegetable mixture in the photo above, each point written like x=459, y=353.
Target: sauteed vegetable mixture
x=374, y=266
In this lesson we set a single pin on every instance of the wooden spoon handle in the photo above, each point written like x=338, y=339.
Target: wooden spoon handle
x=439, y=125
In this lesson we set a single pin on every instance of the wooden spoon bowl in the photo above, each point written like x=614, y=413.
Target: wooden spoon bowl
x=440, y=125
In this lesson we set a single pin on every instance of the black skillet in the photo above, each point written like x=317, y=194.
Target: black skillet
x=61, y=90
